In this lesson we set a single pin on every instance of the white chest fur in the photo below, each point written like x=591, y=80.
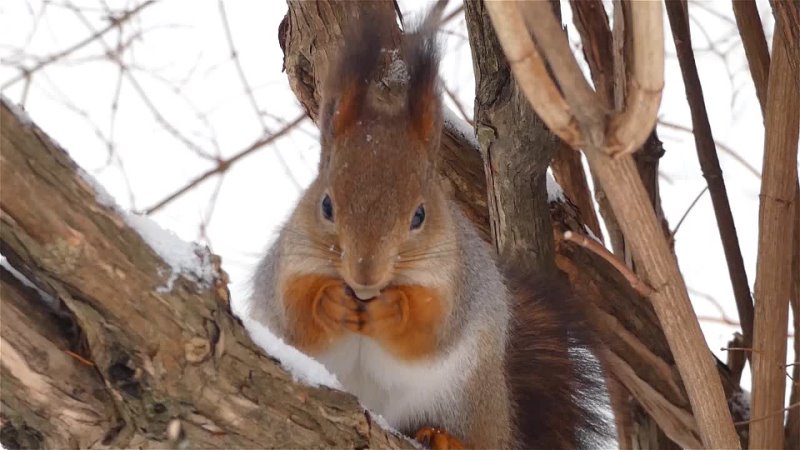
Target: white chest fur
x=404, y=393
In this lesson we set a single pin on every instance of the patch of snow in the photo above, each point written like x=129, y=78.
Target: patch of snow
x=460, y=126
x=187, y=259
x=302, y=367
x=397, y=72
x=554, y=191
x=101, y=194
x=17, y=110
x=47, y=298
x=381, y=422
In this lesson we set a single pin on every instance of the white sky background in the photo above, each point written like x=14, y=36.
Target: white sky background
x=179, y=57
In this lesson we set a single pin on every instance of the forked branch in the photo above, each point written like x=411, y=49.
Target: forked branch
x=620, y=179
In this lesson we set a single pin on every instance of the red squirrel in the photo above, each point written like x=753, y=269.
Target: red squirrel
x=379, y=276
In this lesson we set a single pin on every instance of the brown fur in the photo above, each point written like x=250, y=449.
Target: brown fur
x=554, y=392
x=434, y=287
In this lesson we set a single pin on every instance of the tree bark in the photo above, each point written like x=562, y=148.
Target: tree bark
x=775, y=225
x=516, y=147
x=127, y=358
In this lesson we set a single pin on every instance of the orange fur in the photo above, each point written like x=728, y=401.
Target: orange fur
x=348, y=109
x=438, y=439
x=312, y=327
x=403, y=319
x=422, y=124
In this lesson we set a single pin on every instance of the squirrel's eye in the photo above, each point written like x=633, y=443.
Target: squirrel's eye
x=327, y=208
x=419, y=217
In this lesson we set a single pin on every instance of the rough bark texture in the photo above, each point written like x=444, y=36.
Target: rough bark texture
x=141, y=357
x=775, y=226
x=516, y=148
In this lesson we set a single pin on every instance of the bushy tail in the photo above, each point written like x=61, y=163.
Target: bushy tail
x=555, y=376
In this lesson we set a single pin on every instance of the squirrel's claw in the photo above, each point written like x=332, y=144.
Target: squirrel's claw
x=437, y=439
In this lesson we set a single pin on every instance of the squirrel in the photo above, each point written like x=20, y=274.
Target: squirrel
x=378, y=275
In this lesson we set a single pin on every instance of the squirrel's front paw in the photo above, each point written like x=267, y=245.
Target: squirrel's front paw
x=336, y=309
x=437, y=439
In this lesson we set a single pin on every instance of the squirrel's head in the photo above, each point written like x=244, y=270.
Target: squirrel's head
x=377, y=199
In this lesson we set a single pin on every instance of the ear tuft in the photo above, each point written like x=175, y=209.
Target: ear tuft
x=348, y=82
x=422, y=56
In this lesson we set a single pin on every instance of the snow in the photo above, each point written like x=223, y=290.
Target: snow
x=47, y=298
x=187, y=259
x=17, y=110
x=397, y=73
x=554, y=191
x=460, y=126
x=302, y=367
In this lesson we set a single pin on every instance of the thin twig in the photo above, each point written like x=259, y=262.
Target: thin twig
x=725, y=148
x=458, y=104
x=224, y=165
x=709, y=163
x=249, y=90
x=115, y=22
x=768, y=416
x=640, y=286
x=686, y=213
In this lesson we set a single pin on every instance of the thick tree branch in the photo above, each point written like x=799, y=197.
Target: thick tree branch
x=517, y=149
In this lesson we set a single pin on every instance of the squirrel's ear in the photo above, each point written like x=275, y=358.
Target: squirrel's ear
x=349, y=79
x=424, y=102
x=422, y=57
x=347, y=108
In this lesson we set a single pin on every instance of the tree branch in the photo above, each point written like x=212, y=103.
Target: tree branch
x=776, y=221
x=642, y=231
x=164, y=347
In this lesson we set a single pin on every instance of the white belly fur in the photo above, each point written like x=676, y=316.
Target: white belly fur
x=404, y=393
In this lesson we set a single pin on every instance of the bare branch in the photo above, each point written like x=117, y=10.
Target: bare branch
x=755, y=46
x=531, y=73
x=595, y=247
x=552, y=41
x=115, y=22
x=224, y=165
x=709, y=163
x=629, y=129
x=776, y=222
